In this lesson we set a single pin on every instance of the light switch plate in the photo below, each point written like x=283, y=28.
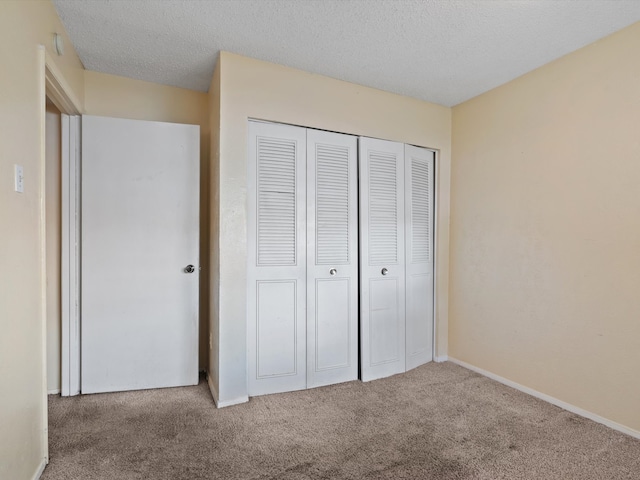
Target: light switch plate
x=19, y=178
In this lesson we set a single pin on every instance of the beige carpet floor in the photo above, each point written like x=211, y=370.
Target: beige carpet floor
x=439, y=421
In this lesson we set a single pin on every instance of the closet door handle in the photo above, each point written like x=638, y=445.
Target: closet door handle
x=384, y=271
x=333, y=271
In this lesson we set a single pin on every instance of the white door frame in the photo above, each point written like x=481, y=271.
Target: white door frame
x=52, y=84
x=59, y=92
x=436, y=249
x=434, y=245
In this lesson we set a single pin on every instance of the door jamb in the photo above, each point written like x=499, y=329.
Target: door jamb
x=58, y=90
x=436, y=248
x=52, y=84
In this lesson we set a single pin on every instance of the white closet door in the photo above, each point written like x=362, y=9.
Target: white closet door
x=332, y=258
x=276, y=258
x=419, y=165
x=382, y=260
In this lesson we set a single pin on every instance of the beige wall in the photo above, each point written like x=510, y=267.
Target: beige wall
x=114, y=96
x=255, y=89
x=545, y=230
x=53, y=237
x=23, y=26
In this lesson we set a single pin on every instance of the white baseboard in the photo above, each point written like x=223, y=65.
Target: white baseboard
x=55, y=391
x=40, y=469
x=548, y=398
x=440, y=358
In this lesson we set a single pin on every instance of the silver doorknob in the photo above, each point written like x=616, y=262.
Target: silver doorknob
x=384, y=271
x=333, y=271
x=189, y=269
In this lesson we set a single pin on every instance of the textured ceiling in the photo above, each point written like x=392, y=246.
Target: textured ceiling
x=443, y=51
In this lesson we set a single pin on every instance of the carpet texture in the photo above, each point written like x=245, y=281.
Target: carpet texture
x=439, y=421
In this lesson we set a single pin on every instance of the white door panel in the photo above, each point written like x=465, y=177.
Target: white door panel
x=419, y=319
x=419, y=167
x=276, y=330
x=140, y=221
x=276, y=325
x=332, y=258
x=384, y=337
x=332, y=327
x=382, y=258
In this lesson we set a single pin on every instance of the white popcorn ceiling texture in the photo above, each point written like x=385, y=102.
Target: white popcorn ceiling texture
x=442, y=51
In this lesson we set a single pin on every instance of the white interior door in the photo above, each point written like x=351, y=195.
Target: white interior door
x=140, y=220
x=276, y=258
x=332, y=258
x=419, y=165
x=382, y=258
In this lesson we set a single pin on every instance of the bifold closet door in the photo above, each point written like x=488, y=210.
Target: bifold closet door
x=304, y=267
x=332, y=258
x=276, y=258
x=419, y=183
x=382, y=258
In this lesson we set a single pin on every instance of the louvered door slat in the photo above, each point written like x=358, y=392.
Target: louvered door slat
x=276, y=164
x=332, y=205
x=420, y=211
x=383, y=208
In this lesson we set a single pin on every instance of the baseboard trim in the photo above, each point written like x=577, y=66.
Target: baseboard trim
x=55, y=391
x=548, y=398
x=440, y=358
x=40, y=469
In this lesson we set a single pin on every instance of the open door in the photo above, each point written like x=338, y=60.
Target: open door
x=140, y=259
